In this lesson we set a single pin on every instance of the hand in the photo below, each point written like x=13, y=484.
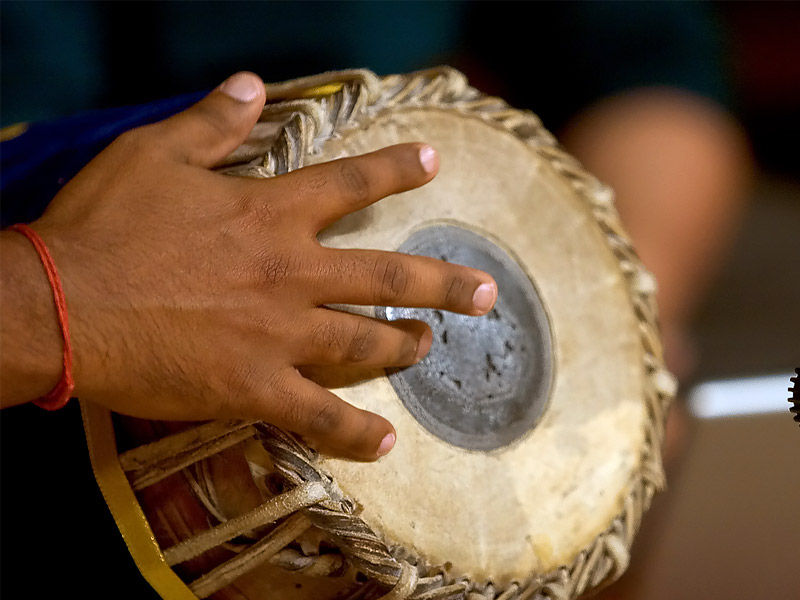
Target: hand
x=196, y=295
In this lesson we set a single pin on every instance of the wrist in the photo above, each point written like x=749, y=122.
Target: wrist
x=32, y=345
x=74, y=261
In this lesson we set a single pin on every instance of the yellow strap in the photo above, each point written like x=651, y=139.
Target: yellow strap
x=12, y=131
x=125, y=508
x=321, y=90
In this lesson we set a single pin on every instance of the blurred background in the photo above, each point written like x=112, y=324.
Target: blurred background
x=690, y=111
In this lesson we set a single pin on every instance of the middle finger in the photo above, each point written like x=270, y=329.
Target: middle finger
x=374, y=277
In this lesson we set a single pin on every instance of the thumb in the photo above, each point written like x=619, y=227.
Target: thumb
x=208, y=131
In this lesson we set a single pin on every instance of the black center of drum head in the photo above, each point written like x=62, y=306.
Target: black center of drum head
x=486, y=380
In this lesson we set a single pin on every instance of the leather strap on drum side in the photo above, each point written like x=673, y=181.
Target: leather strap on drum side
x=125, y=508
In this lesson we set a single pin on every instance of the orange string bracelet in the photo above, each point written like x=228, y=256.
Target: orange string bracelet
x=61, y=393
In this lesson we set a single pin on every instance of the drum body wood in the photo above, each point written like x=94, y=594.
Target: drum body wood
x=528, y=440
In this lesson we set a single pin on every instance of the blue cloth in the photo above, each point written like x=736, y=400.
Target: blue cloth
x=35, y=165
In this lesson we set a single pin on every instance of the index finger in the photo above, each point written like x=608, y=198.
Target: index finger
x=324, y=193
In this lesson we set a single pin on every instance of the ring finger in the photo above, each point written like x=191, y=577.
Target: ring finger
x=339, y=338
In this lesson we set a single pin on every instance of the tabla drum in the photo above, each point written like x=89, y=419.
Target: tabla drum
x=528, y=440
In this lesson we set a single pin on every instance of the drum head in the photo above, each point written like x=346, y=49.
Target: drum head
x=520, y=432
x=528, y=439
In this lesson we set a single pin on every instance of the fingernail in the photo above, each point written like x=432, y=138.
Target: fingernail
x=424, y=345
x=387, y=443
x=428, y=159
x=484, y=297
x=243, y=87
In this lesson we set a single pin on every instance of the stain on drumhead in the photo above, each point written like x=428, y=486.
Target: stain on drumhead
x=486, y=380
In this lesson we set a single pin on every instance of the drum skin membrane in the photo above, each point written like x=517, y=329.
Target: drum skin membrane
x=527, y=505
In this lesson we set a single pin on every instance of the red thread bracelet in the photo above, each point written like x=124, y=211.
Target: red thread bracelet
x=61, y=393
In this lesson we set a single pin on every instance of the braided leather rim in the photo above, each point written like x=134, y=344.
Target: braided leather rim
x=350, y=99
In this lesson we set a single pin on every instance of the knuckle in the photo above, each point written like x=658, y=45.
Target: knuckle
x=393, y=281
x=292, y=410
x=354, y=181
x=454, y=290
x=251, y=390
x=274, y=269
x=257, y=211
x=324, y=416
x=362, y=344
x=212, y=119
x=240, y=384
x=273, y=385
x=286, y=401
x=326, y=337
x=408, y=348
x=313, y=181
